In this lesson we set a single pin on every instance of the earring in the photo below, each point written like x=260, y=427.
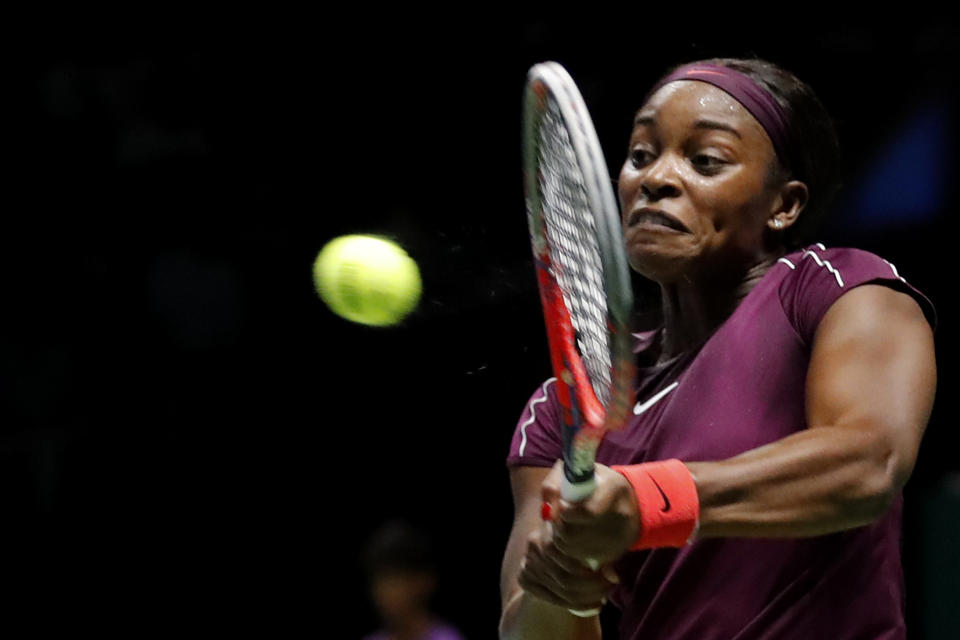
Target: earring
x=778, y=223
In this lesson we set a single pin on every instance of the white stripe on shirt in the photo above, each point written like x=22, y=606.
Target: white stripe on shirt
x=533, y=415
x=826, y=264
x=894, y=269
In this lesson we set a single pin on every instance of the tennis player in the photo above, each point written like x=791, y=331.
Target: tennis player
x=756, y=492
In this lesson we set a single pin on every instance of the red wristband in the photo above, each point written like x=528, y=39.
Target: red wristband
x=667, y=502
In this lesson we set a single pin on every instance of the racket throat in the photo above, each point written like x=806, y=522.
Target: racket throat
x=579, y=451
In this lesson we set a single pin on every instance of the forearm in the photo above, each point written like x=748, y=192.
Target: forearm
x=526, y=617
x=811, y=483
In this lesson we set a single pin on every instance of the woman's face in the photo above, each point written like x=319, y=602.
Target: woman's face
x=398, y=595
x=695, y=191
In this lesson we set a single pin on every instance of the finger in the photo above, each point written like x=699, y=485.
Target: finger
x=612, y=489
x=543, y=542
x=578, y=541
x=559, y=551
x=574, y=595
x=577, y=513
x=577, y=564
x=550, y=489
x=564, y=576
x=572, y=565
x=544, y=592
x=541, y=576
x=546, y=512
x=590, y=510
x=532, y=585
x=576, y=577
x=544, y=561
x=564, y=539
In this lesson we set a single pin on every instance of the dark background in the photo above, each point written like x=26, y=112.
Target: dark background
x=189, y=434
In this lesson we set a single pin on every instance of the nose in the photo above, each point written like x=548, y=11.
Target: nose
x=660, y=178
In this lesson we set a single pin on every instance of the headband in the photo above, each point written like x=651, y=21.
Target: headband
x=742, y=88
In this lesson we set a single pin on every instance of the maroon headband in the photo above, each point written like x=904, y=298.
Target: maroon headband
x=744, y=90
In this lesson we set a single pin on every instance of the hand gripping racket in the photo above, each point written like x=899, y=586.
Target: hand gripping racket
x=581, y=269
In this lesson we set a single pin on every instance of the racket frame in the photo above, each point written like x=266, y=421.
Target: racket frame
x=585, y=418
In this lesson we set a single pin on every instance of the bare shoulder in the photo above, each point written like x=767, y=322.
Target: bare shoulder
x=873, y=368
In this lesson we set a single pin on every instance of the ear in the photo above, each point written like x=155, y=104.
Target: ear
x=791, y=200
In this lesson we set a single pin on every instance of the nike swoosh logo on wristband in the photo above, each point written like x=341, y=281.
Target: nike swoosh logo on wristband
x=666, y=501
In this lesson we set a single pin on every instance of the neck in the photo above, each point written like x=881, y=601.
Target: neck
x=694, y=309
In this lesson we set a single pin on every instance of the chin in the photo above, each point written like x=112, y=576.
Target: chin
x=658, y=267
x=657, y=262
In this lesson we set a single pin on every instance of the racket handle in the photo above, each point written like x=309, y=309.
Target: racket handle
x=577, y=492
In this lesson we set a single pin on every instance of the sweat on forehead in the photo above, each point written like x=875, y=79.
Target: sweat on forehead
x=742, y=88
x=702, y=98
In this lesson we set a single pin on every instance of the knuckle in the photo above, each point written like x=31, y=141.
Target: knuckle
x=550, y=490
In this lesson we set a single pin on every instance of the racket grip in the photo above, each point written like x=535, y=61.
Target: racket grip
x=576, y=492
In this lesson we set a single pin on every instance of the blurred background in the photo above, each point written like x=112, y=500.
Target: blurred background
x=188, y=433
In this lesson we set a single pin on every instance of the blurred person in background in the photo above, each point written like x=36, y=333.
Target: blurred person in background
x=402, y=575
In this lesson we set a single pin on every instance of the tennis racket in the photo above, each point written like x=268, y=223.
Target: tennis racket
x=581, y=269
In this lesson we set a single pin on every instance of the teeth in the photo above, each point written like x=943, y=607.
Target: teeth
x=655, y=218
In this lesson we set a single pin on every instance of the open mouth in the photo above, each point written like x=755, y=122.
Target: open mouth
x=655, y=217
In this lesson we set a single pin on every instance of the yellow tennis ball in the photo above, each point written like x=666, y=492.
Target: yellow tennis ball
x=367, y=279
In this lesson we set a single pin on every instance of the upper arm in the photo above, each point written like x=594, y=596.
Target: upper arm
x=873, y=368
x=526, y=484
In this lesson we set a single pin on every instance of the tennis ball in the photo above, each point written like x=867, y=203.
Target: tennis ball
x=367, y=279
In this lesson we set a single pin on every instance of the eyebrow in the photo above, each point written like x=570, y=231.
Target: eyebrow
x=699, y=124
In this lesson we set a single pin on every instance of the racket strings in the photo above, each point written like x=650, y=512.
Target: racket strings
x=575, y=252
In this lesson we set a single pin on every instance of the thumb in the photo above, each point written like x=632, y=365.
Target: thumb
x=550, y=490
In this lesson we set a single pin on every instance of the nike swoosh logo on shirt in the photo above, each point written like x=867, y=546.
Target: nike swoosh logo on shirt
x=666, y=501
x=640, y=408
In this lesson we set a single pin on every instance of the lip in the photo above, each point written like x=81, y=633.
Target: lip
x=655, y=218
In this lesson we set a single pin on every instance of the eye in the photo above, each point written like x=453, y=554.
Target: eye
x=640, y=157
x=707, y=163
